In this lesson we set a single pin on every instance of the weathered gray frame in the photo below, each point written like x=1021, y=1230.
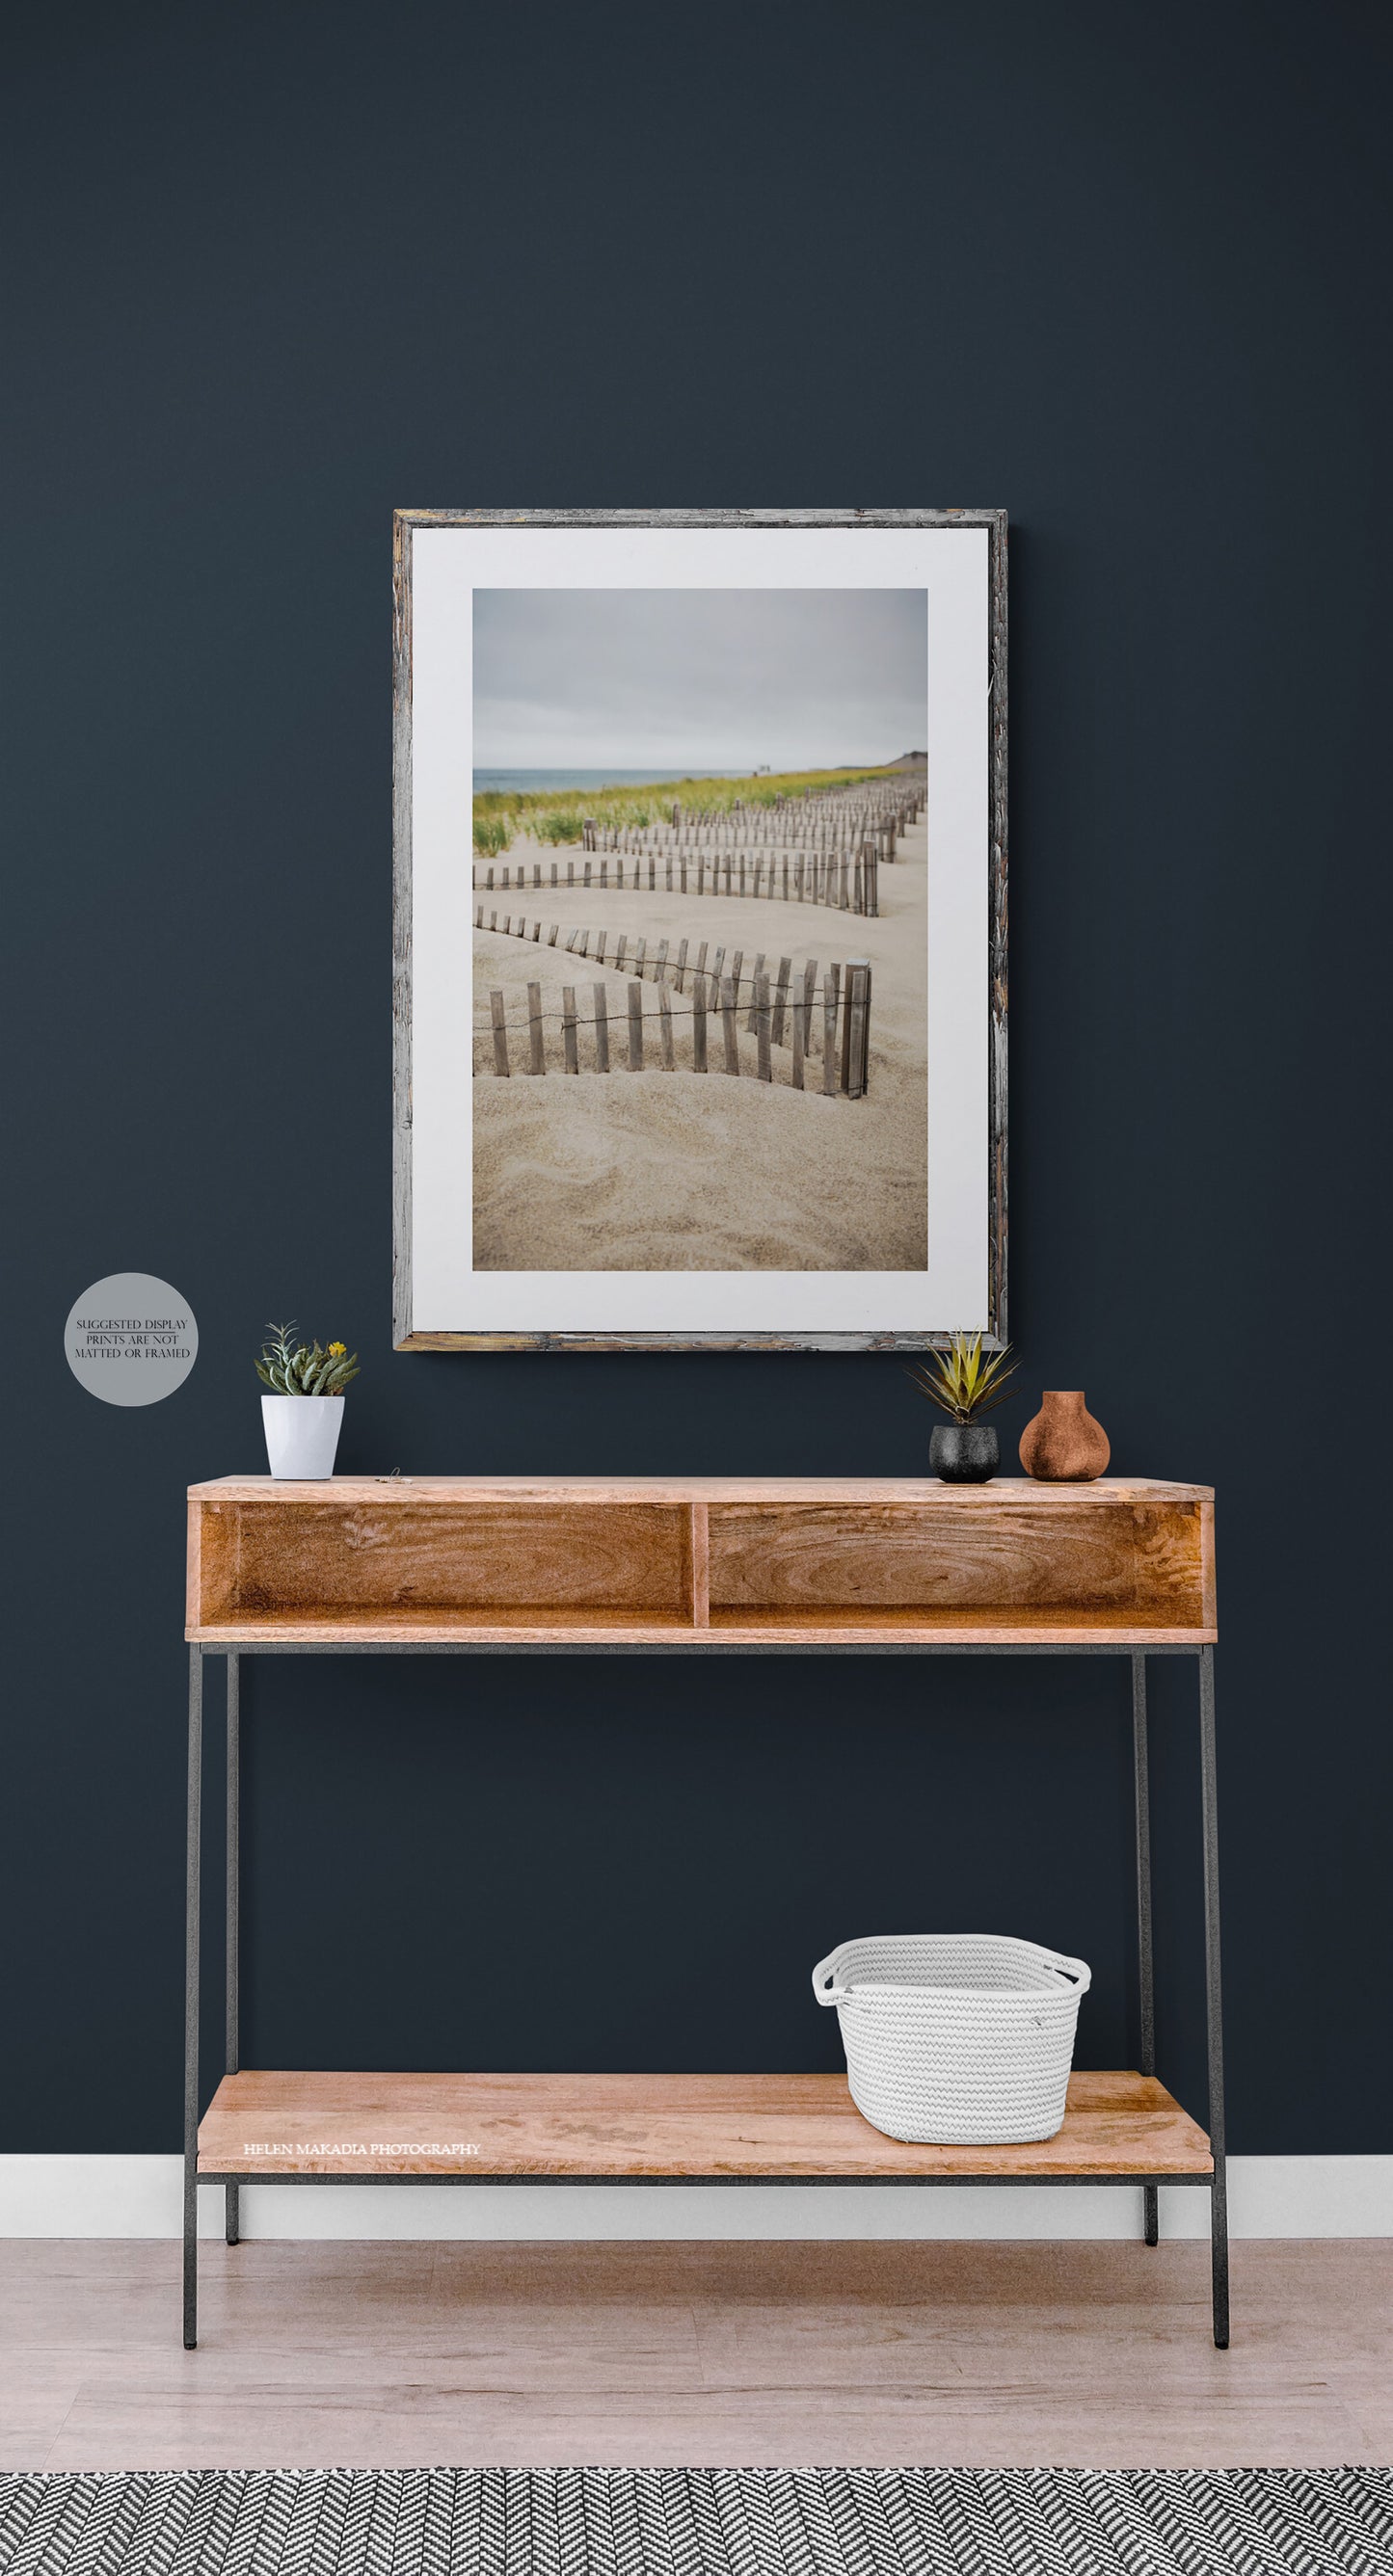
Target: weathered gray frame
x=405, y=522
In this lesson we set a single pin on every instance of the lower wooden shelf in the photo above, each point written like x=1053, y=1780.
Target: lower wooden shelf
x=269, y=2125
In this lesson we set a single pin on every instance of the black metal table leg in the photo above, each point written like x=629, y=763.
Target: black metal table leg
x=232, y=2190
x=1218, y=2198
x=192, y=1894
x=1146, y=1990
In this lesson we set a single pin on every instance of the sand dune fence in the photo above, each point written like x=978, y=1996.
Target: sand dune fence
x=827, y=853
x=792, y=1012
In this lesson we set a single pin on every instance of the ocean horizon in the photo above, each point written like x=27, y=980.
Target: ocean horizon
x=542, y=782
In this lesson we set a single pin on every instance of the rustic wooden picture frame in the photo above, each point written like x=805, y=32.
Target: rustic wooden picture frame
x=406, y=522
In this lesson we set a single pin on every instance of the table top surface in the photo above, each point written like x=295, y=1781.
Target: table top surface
x=1019, y=1491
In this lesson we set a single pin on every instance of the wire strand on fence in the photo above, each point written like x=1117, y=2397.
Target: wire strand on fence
x=683, y=967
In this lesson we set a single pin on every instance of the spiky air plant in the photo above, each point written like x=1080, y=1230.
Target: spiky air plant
x=961, y=1382
x=304, y=1369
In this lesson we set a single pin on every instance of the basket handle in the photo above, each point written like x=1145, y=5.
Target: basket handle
x=828, y=1994
x=1078, y=1970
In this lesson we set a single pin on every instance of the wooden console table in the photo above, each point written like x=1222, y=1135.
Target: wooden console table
x=644, y=1565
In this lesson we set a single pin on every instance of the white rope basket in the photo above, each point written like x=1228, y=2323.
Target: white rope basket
x=955, y=2038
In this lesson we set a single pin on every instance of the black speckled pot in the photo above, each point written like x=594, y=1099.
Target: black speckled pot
x=964, y=1453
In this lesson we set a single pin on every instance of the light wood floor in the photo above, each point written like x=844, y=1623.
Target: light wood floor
x=391, y=2355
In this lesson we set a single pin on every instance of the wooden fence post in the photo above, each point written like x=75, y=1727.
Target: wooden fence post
x=844, y=1069
x=551, y=936
x=568, y=1027
x=534, y=1028
x=601, y=1030
x=855, y=1063
x=781, y=999
x=500, y=1033
x=766, y=1069
x=681, y=962
x=806, y=1005
x=665, y=1026
x=699, y=1022
x=640, y=952
x=660, y=963
x=829, y=1030
x=619, y=954
x=732, y=1064
x=600, y=948
x=752, y=1023
x=635, y=1028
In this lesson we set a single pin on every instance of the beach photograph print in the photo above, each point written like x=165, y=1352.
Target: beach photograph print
x=699, y=911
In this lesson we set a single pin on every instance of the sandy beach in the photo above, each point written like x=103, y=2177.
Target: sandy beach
x=680, y=1170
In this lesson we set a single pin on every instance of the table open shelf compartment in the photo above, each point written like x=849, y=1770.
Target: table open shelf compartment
x=741, y=1559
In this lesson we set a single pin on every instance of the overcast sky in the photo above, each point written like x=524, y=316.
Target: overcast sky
x=698, y=679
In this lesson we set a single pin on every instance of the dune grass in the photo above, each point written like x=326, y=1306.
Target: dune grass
x=500, y=817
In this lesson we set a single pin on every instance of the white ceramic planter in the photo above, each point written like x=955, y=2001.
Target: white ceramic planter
x=302, y=1434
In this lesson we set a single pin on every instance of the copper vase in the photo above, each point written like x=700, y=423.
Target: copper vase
x=1064, y=1445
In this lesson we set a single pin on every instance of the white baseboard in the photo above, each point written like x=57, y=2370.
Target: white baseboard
x=141, y=2196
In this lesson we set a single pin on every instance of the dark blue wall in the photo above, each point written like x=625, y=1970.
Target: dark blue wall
x=274, y=270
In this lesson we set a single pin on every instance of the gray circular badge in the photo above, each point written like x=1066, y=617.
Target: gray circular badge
x=131, y=1339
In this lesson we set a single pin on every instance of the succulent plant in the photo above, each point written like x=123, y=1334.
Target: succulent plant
x=304, y=1369
x=961, y=1382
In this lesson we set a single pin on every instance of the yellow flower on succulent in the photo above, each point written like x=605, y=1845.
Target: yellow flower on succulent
x=337, y=1350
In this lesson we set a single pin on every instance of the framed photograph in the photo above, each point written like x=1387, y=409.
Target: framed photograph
x=700, y=929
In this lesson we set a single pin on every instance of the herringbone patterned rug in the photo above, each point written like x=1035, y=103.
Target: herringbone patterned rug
x=699, y=2522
